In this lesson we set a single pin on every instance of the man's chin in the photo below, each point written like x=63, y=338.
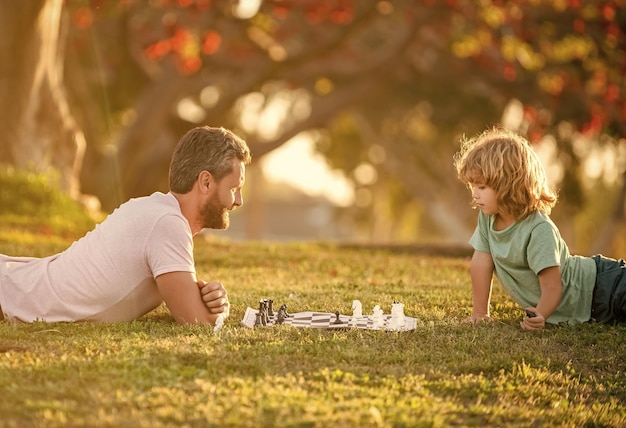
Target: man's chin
x=221, y=226
x=217, y=223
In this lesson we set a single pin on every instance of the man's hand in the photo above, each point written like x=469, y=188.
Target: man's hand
x=533, y=320
x=214, y=297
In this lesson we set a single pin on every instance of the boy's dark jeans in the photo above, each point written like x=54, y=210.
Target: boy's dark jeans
x=609, y=294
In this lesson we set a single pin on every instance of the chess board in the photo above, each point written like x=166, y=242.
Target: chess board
x=327, y=320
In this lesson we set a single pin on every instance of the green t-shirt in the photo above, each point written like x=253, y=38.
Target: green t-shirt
x=524, y=249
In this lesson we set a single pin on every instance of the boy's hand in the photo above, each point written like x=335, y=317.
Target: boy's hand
x=477, y=318
x=533, y=320
x=214, y=297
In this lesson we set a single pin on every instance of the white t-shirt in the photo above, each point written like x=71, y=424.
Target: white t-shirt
x=107, y=275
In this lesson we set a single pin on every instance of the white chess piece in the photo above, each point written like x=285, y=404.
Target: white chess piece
x=219, y=323
x=398, y=320
x=357, y=309
x=357, y=313
x=378, y=318
x=401, y=317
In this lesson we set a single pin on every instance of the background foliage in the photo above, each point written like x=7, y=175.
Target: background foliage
x=388, y=86
x=29, y=200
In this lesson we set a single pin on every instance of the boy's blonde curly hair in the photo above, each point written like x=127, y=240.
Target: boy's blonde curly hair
x=505, y=161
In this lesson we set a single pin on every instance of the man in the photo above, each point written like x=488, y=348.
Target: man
x=142, y=254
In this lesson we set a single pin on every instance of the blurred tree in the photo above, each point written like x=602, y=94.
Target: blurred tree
x=38, y=130
x=389, y=84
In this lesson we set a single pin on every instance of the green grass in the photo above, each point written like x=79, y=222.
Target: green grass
x=154, y=373
x=33, y=201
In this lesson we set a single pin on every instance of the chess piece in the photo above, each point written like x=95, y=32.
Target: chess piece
x=357, y=309
x=257, y=320
x=219, y=323
x=283, y=308
x=280, y=317
x=263, y=310
x=397, y=320
x=337, y=321
x=401, y=316
x=377, y=318
x=270, y=308
x=282, y=314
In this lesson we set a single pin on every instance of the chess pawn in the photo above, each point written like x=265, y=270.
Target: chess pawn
x=337, y=320
x=357, y=309
x=378, y=318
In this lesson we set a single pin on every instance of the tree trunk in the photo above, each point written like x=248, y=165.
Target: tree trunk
x=146, y=145
x=38, y=131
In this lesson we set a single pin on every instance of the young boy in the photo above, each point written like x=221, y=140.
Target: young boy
x=516, y=239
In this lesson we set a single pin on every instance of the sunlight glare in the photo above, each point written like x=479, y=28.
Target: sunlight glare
x=273, y=116
x=246, y=9
x=209, y=96
x=250, y=107
x=297, y=163
x=188, y=109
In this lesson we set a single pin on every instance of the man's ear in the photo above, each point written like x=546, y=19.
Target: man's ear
x=205, y=180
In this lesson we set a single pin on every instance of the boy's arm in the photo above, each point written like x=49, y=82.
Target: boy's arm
x=481, y=272
x=183, y=298
x=551, y=293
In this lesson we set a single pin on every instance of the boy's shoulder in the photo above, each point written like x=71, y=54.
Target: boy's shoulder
x=537, y=218
x=540, y=224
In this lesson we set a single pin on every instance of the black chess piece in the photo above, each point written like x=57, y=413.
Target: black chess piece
x=270, y=307
x=337, y=321
x=263, y=311
x=257, y=320
x=283, y=308
x=282, y=314
x=280, y=317
x=266, y=315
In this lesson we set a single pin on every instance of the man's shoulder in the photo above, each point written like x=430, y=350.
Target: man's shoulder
x=146, y=211
x=157, y=203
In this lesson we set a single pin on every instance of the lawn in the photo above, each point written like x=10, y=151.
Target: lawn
x=154, y=373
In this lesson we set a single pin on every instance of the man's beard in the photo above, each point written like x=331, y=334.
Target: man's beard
x=214, y=214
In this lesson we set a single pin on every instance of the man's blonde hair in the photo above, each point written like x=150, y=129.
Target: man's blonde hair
x=505, y=161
